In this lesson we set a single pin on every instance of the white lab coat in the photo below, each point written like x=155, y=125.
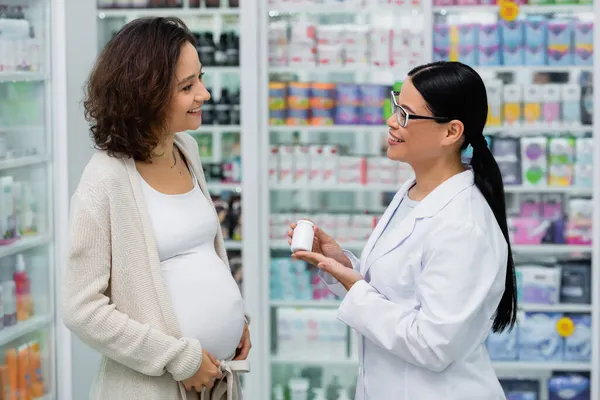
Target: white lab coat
x=428, y=300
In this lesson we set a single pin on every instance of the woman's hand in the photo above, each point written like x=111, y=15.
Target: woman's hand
x=245, y=345
x=206, y=375
x=325, y=245
x=344, y=275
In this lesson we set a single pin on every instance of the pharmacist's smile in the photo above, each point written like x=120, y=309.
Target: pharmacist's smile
x=393, y=140
x=196, y=111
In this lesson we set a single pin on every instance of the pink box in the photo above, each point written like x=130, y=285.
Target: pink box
x=444, y=2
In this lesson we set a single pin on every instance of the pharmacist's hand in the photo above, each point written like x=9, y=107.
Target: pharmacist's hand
x=325, y=245
x=245, y=345
x=346, y=276
x=206, y=375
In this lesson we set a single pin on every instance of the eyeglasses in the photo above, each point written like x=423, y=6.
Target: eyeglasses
x=404, y=116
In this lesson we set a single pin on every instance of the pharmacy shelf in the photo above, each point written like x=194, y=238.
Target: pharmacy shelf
x=23, y=162
x=525, y=9
x=24, y=244
x=524, y=366
x=222, y=70
x=573, y=69
x=233, y=245
x=134, y=13
x=366, y=69
x=324, y=10
x=11, y=333
x=571, y=191
x=22, y=128
x=559, y=308
x=224, y=187
x=217, y=128
x=546, y=249
x=382, y=129
x=22, y=77
x=512, y=366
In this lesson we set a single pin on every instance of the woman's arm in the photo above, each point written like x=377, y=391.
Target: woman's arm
x=460, y=269
x=91, y=316
x=332, y=284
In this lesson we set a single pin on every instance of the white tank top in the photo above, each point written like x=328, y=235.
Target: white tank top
x=204, y=294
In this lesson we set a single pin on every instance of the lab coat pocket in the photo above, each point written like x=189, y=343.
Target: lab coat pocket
x=396, y=280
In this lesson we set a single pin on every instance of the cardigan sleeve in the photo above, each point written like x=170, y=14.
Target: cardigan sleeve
x=88, y=313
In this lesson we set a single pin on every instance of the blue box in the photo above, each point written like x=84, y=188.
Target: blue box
x=513, y=56
x=560, y=33
x=536, y=32
x=441, y=53
x=560, y=56
x=467, y=34
x=584, y=55
x=538, y=338
x=583, y=32
x=441, y=35
x=490, y=56
x=467, y=55
x=536, y=56
x=513, y=33
x=489, y=35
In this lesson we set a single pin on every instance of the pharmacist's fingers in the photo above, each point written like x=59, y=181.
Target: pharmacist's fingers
x=310, y=257
x=290, y=233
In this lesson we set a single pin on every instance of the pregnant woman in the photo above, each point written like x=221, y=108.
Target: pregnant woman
x=147, y=282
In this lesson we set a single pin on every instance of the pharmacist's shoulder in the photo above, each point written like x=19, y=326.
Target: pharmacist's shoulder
x=102, y=175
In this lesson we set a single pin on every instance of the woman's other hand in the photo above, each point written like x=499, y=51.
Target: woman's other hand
x=344, y=275
x=325, y=245
x=245, y=345
x=206, y=375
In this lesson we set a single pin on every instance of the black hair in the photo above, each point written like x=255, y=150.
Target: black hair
x=454, y=90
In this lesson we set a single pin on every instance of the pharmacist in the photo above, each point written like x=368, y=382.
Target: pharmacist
x=437, y=274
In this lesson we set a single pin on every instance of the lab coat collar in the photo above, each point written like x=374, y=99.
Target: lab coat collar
x=427, y=208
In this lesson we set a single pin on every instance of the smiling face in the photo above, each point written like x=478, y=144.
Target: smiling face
x=422, y=140
x=185, y=109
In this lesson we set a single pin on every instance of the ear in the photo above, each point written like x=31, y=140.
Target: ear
x=455, y=132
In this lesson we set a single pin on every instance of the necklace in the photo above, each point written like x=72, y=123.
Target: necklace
x=174, y=158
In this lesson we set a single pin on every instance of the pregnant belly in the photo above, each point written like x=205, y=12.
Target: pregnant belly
x=207, y=301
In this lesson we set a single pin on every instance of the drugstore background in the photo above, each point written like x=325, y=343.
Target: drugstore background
x=296, y=128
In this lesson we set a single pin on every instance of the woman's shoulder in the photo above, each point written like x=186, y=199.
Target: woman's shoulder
x=102, y=174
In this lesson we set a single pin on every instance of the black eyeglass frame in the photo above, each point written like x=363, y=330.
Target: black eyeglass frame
x=396, y=107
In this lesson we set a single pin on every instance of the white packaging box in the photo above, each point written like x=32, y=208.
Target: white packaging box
x=315, y=174
x=329, y=224
x=273, y=165
x=381, y=171
x=552, y=95
x=494, y=89
x=351, y=170
x=277, y=224
x=330, y=34
x=330, y=164
x=356, y=36
x=532, y=99
x=344, y=228
x=301, y=164
x=286, y=164
x=302, y=33
x=330, y=54
x=301, y=55
x=571, y=97
x=380, y=47
x=513, y=95
x=362, y=226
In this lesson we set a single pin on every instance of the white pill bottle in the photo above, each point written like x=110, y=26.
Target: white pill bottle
x=303, y=237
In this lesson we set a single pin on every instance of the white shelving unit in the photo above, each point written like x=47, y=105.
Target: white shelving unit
x=265, y=135
x=33, y=143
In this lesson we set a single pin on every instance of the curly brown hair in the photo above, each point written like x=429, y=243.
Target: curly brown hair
x=131, y=85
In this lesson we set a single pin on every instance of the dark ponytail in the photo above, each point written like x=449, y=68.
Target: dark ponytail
x=456, y=91
x=489, y=181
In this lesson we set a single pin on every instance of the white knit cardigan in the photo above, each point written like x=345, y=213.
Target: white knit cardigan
x=113, y=295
